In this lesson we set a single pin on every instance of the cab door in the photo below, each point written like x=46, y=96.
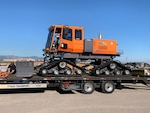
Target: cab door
x=66, y=42
x=78, y=41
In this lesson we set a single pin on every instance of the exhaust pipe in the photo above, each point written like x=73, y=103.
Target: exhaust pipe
x=100, y=35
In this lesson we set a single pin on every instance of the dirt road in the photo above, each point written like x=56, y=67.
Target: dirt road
x=131, y=99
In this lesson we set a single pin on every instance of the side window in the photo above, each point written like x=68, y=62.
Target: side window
x=78, y=34
x=58, y=30
x=67, y=34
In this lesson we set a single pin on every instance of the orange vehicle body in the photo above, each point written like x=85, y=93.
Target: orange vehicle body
x=76, y=42
x=101, y=46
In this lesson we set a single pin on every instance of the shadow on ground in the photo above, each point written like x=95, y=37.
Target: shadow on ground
x=136, y=87
x=16, y=91
x=64, y=92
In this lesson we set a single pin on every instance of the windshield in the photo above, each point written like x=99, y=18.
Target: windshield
x=49, y=39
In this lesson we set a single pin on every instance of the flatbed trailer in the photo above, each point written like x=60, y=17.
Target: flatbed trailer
x=26, y=78
x=86, y=84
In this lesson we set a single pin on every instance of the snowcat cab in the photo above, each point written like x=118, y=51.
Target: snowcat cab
x=64, y=39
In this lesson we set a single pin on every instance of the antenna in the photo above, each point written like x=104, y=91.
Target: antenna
x=100, y=35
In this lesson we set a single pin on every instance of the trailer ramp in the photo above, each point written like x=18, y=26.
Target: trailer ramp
x=24, y=68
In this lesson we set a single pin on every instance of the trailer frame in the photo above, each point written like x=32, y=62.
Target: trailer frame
x=85, y=83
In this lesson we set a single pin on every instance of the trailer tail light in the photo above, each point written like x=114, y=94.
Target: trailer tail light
x=86, y=78
x=48, y=78
x=103, y=78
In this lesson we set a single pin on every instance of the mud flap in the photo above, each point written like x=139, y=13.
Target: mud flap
x=24, y=68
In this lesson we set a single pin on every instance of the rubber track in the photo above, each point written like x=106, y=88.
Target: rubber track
x=107, y=64
x=52, y=64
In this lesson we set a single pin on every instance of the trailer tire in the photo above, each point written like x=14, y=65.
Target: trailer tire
x=87, y=87
x=107, y=86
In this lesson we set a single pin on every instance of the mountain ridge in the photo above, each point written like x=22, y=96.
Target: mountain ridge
x=12, y=56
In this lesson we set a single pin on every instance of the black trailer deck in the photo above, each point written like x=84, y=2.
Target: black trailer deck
x=119, y=78
x=85, y=83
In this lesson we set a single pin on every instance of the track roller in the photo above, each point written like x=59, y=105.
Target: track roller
x=117, y=72
x=112, y=66
x=97, y=72
x=62, y=64
x=44, y=71
x=127, y=72
x=56, y=72
x=68, y=72
x=107, y=72
x=78, y=71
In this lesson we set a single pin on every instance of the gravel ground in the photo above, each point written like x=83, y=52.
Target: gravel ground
x=131, y=99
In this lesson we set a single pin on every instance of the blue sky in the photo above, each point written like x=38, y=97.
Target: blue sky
x=24, y=24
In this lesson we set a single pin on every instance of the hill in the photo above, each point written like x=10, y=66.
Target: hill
x=10, y=56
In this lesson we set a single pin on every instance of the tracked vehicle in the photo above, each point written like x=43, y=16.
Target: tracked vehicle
x=68, y=53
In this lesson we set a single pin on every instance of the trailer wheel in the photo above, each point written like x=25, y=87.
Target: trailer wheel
x=87, y=87
x=107, y=86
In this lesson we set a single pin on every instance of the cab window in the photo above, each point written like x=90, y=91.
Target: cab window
x=78, y=34
x=67, y=34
